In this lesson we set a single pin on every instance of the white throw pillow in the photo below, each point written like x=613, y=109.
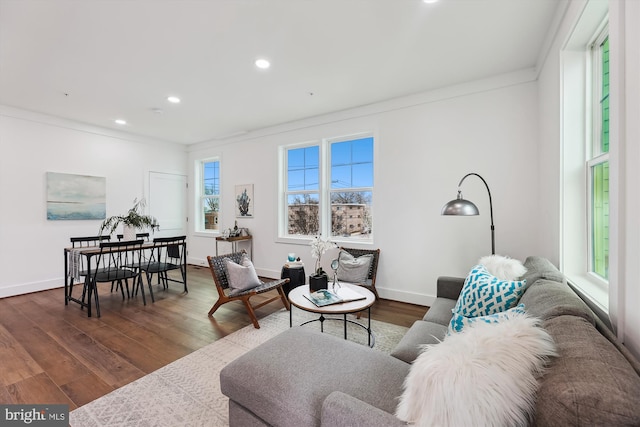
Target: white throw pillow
x=503, y=267
x=352, y=269
x=241, y=276
x=485, y=375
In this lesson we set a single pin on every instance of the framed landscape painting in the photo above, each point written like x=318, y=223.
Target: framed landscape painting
x=76, y=197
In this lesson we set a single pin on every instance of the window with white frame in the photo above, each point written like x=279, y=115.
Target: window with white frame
x=209, y=195
x=327, y=189
x=598, y=161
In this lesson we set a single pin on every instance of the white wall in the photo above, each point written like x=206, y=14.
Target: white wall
x=31, y=249
x=424, y=145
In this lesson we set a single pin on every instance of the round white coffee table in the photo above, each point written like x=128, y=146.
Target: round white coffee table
x=297, y=299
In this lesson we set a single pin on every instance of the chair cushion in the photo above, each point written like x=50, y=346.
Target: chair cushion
x=241, y=277
x=352, y=269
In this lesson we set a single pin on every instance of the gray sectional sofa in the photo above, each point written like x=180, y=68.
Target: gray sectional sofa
x=304, y=378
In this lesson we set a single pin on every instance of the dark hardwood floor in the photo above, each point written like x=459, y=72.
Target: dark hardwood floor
x=51, y=353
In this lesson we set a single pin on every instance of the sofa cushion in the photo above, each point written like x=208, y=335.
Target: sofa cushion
x=285, y=380
x=440, y=311
x=419, y=334
x=540, y=268
x=485, y=294
x=589, y=383
x=546, y=299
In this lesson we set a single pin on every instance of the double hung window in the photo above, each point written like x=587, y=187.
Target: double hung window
x=598, y=162
x=209, y=195
x=327, y=189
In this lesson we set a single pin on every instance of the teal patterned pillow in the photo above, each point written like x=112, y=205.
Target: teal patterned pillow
x=458, y=322
x=484, y=294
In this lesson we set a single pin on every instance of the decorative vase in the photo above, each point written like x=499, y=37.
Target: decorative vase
x=318, y=281
x=128, y=233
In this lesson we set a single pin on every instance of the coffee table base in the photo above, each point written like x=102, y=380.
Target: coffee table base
x=371, y=339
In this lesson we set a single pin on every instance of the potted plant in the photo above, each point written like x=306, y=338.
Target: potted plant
x=133, y=220
x=319, y=279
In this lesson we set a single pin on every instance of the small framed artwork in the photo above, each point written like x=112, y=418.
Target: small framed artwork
x=244, y=201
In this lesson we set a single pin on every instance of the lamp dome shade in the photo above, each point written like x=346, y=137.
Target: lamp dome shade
x=460, y=207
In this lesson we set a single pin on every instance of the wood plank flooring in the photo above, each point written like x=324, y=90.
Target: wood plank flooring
x=51, y=353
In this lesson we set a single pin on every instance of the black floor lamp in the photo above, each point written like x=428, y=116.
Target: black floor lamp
x=464, y=207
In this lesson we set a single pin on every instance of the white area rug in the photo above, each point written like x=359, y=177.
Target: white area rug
x=187, y=391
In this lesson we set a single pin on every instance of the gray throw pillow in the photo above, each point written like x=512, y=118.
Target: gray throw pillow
x=241, y=277
x=353, y=270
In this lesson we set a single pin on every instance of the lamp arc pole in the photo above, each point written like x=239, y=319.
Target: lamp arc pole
x=493, y=229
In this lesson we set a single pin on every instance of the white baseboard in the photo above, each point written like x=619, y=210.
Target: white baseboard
x=27, y=288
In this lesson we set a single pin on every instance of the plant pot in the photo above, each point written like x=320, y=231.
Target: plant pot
x=129, y=233
x=317, y=282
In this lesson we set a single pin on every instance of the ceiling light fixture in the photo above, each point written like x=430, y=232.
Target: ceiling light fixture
x=120, y=122
x=262, y=63
x=430, y=1
x=173, y=99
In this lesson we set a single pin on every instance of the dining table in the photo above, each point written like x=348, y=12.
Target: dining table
x=73, y=263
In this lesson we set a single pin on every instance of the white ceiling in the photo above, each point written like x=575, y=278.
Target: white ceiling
x=98, y=60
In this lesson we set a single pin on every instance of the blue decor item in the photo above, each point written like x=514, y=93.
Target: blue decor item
x=459, y=322
x=484, y=294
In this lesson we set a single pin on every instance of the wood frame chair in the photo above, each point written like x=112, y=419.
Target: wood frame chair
x=219, y=273
x=373, y=268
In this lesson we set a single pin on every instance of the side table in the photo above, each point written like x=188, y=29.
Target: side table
x=296, y=276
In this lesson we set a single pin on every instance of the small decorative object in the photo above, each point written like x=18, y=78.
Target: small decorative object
x=131, y=222
x=244, y=201
x=334, y=266
x=319, y=280
x=291, y=257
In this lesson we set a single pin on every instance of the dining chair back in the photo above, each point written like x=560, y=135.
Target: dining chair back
x=167, y=254
x=117, y=262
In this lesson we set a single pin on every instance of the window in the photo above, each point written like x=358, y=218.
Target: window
x=598, y=163
x=209, y=200
x=328, y=189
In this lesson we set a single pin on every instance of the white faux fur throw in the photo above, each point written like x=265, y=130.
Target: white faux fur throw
x=504, y=268
x=485, y=375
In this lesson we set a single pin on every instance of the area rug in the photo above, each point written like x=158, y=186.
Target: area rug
x=187, y=391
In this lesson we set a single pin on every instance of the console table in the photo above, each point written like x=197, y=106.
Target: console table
x=234, y=243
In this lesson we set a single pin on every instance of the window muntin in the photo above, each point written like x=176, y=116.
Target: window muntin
x=209, y=200
x=332, y=197
x=598, y=164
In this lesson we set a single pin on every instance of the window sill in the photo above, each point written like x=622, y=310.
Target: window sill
x=338, y=241
x=592, y=289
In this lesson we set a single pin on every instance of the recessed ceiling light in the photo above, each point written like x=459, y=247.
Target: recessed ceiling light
x=120, y=122
x=430, y=1
x=262, y=63
x=173, y=99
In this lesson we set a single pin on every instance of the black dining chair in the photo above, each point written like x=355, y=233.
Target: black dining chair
x=117, y=262
x=167, y=254
x=78, y=268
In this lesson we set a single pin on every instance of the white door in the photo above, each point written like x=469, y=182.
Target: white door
x=168, y=203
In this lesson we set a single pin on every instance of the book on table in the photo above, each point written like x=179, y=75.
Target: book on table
x=324, y=297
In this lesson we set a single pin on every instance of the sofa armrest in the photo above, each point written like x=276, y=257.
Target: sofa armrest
x=342, y=410
x=449, y=287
